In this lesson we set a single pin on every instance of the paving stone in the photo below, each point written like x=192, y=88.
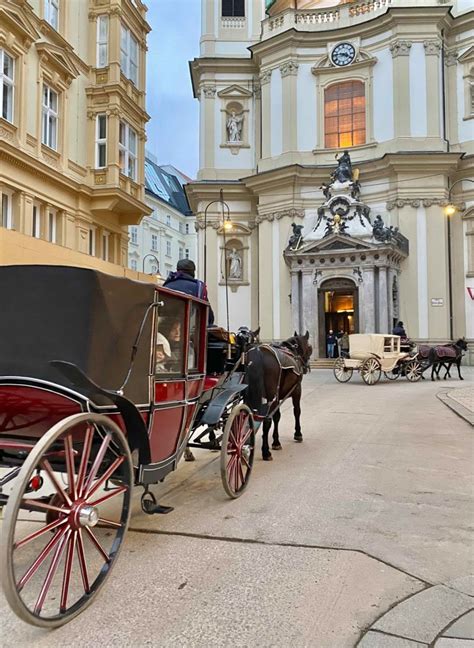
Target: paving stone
x=423, y=616
x=454, y=643
x=378, y=640
x=464, y=584
x=463, y=628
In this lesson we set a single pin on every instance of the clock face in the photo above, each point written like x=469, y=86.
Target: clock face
x=343, y=54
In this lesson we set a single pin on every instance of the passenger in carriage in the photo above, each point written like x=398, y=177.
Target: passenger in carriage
x=162, y=353
x=183, y=280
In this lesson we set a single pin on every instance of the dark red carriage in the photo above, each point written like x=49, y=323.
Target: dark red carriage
x=102, y=382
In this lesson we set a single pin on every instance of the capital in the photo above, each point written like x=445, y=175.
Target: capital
x=400, y=48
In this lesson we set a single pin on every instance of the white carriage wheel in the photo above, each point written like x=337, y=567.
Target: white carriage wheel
x=237, y=450
x=413, y=370
x=390, y=375
x=70, y=515
x=371, y=371
x=342, y=373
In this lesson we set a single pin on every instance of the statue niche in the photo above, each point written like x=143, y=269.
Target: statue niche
x=234, y=124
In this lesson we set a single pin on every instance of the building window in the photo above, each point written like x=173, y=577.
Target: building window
x=186, y=253
x=6, y=85
x=187, y=228
x=128, y=150
x=129, y=55
x=52, y=226
x=102, y=41
x=168, y=220
x=181, y=253
x=168, y=248
x=133, y=264
x=50, y=118
x=92, y=242
x=344, y=114
x=134, y=235
x=233, y=8
x=105, y=246
x=51, y=12
x=101, y=142
x=7, y=220
x=154, y=242
x=36, y=222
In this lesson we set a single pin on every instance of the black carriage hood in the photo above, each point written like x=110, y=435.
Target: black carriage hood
x=77, y=315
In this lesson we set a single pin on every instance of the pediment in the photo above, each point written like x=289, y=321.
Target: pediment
x=234, y=92
x=58, y=60
x=237, y=230
x=18, y=25
x=467, y=56
x=334, y=242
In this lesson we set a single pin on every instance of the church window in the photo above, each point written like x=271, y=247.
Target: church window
x=233, y=8
x=344, y=114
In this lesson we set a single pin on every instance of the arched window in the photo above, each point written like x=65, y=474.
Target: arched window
x=233, y=8
x=344, y=114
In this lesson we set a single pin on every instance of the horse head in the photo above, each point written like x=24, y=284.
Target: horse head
x=461, y=344
x=245, y=338
x=303, y=348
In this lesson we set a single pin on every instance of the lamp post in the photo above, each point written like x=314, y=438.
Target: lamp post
x=450, y=210
x=153, y=257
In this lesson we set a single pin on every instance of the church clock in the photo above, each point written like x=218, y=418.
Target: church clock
x=343, y=54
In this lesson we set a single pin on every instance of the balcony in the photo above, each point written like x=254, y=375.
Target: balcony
x=344, y=15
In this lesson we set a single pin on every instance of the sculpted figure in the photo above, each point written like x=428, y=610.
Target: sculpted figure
x=234, y=127
x=235, y=270
x=297, y=235
x=343, y=173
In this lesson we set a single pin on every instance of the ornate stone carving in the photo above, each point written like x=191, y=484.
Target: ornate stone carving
x=432, y=47
x=52, y=161
x=419, y=202
x=209, y=91
x=451, y=58
x=400, y=48
x=265, y=77
x=284, y=213
x=289, y=68
x=6, y=135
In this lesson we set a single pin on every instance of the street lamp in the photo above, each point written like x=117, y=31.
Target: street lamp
x=153, y=257
x=450, y=210
x=226, y=220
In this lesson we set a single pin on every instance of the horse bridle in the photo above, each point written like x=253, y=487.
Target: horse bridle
x=298, y=354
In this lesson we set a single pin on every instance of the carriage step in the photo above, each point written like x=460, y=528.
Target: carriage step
x=322, y=363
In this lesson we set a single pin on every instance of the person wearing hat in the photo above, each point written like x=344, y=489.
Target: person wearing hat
x=184, y=280
x=163, y=353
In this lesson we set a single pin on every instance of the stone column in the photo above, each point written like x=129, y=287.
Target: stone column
x=383, y=324
x=265, y=261
x=265, y=79
x=368, y=307
x=310, y=316
x=390, y=314
x=295, y=301
x=289, y=72
x=432, y=58
x=208, y=93
x=401, y=83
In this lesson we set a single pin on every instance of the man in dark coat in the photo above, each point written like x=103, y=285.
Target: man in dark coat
x=183, y=280
x=399, y=329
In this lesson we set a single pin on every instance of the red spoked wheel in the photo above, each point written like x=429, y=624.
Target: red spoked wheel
x=237, y=450
x=60, y=542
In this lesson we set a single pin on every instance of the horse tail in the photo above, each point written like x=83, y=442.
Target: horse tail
x=254, y=380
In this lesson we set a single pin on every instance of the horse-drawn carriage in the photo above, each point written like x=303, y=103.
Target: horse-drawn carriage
x=102, y=382
x=370, y=354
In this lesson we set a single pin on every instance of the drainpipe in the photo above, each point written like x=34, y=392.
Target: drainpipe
x=443, y=90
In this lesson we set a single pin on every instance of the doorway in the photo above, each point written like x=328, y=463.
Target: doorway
x=338, y=307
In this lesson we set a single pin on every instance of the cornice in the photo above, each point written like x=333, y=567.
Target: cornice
x=279, y=215
x=115, y=90
x=421, y=202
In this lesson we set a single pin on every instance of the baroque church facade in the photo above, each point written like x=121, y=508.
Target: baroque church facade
x=336, y=134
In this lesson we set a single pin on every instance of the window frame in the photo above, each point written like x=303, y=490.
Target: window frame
x=92, y=243
x=340, y=115
x=133, y=265
x=51, y=8
x=134, y=235
x=129, y=55
x=168, y=248
x=154, y=242
x=231, y=12
x=100, y=142
x=105, y=246
x=48, y=112
x=6, y=219
x=102, y=42
x=8, y=82
x=124, y=149
x=36, y=221
x=52, y=226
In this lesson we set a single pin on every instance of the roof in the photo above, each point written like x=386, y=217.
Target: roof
x=166, y=184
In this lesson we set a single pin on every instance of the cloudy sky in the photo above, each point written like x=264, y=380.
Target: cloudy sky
x=173, y=128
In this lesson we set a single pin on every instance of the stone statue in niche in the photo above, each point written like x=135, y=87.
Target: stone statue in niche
x=235, y=268
x=234, y=127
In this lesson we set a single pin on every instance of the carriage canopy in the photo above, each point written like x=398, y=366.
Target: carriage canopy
x=384, y=346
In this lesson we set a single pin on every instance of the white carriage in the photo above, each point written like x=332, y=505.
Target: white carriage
x=373, y=353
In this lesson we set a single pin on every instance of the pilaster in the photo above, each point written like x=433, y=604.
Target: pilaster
x=265, y=81
x=368, y=306
x=383, y=323
x=289, y=74
x=432, y=58
x=208, y=101
x=400, y=50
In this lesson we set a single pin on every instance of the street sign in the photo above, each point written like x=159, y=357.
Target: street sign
x=437, y=301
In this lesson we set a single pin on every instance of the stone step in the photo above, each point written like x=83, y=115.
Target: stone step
x=322, y=363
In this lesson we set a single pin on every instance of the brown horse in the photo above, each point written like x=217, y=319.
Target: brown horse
x=274, y=372
x=443, y=356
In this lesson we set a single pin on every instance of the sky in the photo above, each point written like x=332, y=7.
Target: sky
x=173, y=130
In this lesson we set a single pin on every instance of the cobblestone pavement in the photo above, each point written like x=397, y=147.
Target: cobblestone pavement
x=464, y=397
x=360, y=536
x=460, y=400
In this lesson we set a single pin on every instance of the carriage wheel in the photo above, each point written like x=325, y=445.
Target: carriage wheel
x=237, y=450
x=59, y=543
x=392, y=375
x=413, y=370
x=371, y=371
x=341, y=372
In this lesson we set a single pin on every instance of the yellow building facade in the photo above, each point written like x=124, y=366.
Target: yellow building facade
x=72, y=130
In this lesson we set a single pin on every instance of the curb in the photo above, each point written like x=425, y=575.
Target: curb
x=459, y=409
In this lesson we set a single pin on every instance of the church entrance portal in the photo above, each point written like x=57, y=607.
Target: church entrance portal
x=338, y=306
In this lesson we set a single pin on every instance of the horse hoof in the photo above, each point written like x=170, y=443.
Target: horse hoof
x=461, y=378
x=269, y=458
x=276, y=446
x=298, y=439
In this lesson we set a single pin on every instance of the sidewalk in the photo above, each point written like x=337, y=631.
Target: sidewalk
x=461, y=401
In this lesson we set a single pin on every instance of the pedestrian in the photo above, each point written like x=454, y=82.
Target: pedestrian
x=183, y=280
x=330, y=343
x=399, y=329
x=337, y=349
x=344, y=343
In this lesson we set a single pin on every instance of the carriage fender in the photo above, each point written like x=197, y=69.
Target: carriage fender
x=217, y=405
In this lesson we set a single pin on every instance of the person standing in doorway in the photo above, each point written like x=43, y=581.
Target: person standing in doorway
x=344, y=345
x=330, y=343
